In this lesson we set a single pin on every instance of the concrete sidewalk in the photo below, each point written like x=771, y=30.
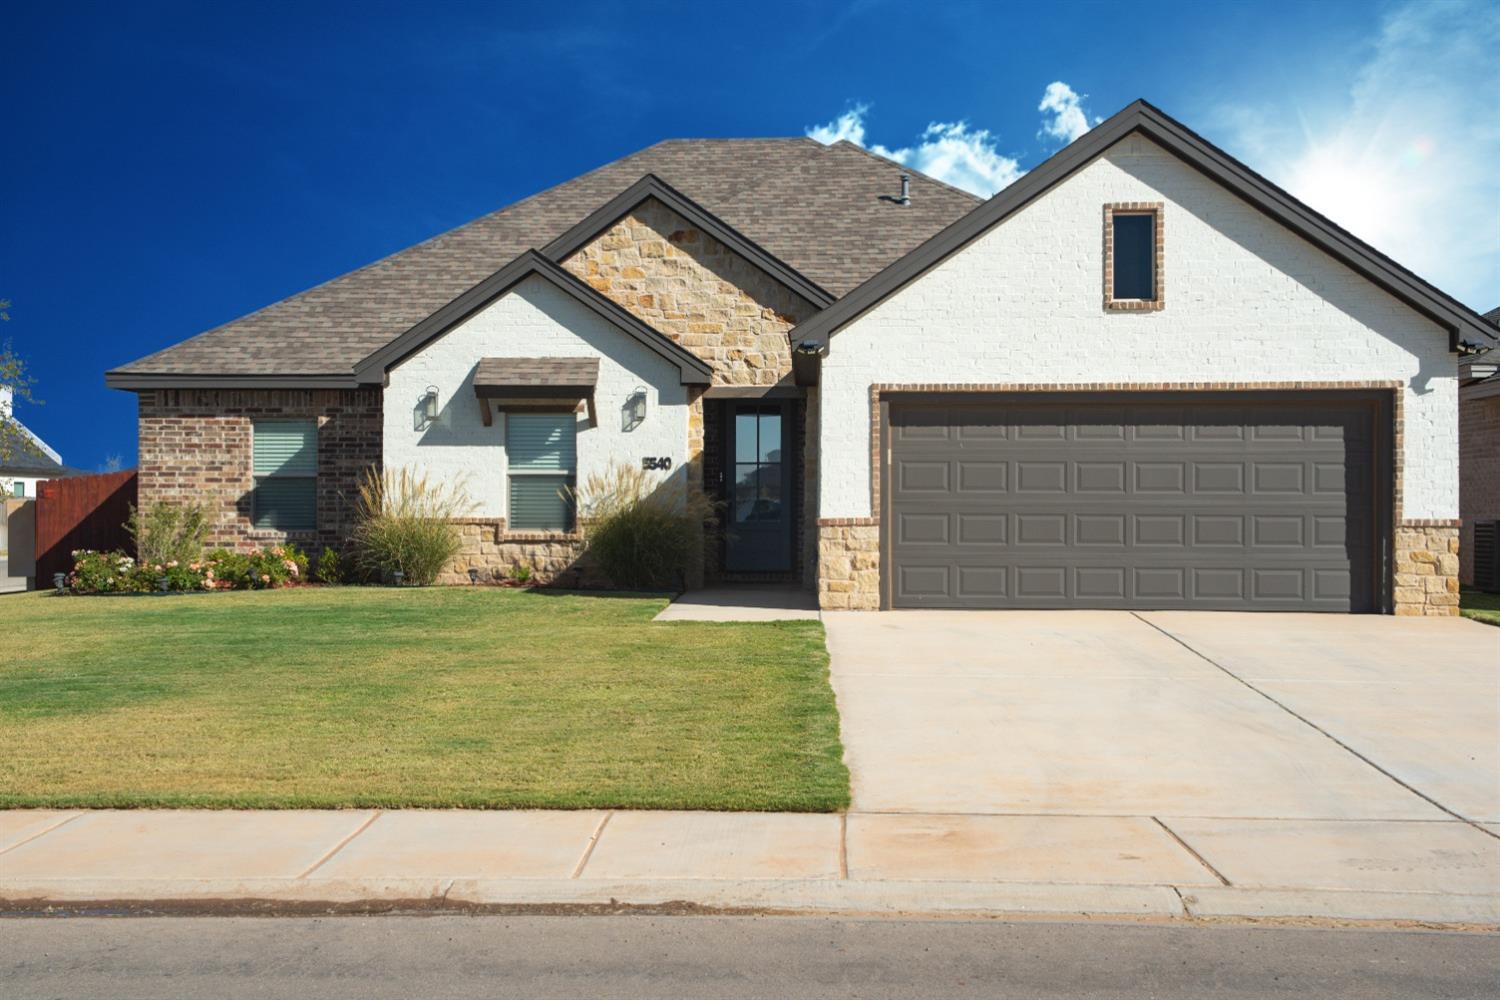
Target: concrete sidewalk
x=1163, y=867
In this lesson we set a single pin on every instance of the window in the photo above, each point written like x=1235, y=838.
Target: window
x=285, y=464
x=757, y=464
x=541, y=450
x=18, y=489
x=1133, y=256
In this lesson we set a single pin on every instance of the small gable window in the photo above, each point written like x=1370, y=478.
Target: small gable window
x=1133, y=256
x=285, y=461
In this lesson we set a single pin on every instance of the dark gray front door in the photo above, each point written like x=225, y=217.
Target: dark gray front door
x=1231, y=502
x=758, y=517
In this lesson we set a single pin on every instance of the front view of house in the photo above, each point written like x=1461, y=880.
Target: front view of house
x=1140, y=377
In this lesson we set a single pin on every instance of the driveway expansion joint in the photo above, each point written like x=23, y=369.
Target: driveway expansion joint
x=1314, y=726
x=1189, y=848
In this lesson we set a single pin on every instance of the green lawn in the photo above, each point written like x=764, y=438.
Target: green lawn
x=1480, y=607
x=437, y=697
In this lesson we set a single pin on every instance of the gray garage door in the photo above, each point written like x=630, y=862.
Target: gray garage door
x=1227, y=502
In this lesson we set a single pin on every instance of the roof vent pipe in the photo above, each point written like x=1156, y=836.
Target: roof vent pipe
x=905, y=189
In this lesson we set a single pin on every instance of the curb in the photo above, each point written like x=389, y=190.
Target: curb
x=750, y=896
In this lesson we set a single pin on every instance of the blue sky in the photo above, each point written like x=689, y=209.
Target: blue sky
x=169, y=168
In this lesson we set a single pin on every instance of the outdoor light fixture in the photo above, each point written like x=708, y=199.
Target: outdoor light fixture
x=60, y=581
x=473, y=575
x=427, y=407
x=635, y=408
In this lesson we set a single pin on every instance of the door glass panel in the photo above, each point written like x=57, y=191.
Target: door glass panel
x=744, y=492
x=757, y=494
x=744, y=436
x=770, y=437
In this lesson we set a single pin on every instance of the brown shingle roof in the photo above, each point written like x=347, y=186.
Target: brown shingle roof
x=817, y=208
x=500, y=373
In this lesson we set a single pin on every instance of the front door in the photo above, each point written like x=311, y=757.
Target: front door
x=758, y=518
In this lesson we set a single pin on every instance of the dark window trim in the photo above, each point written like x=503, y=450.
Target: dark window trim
x=1158, y=301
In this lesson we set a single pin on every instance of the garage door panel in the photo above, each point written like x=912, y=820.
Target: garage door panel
x=982, y=477
x=1075, y=505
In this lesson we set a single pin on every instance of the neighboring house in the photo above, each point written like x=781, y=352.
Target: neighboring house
x=32, y=460
x=1478, y=446
x=1140, y=377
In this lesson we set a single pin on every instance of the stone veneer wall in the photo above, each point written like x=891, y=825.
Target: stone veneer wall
x=195, y=445
x=1426, y=572
x=553, y=558
x=1478, y=471
x=697, y=291
x=849, y=564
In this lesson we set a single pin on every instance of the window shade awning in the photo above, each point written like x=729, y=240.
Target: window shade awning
x=534, y=383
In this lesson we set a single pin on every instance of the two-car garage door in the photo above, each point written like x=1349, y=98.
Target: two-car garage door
x=1243, y=502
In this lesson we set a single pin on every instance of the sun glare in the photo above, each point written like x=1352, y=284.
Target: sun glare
x=1357, y=195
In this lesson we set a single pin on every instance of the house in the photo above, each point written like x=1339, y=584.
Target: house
x=1479, y=448
x=1140, y=377
x=29, y=459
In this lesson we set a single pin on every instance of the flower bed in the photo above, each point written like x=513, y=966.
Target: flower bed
x=221, y=569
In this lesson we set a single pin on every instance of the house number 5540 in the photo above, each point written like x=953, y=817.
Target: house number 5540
x=651, y=462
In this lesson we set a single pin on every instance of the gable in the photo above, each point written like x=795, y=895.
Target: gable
x=1466, y=329
x=530, y=265
x=680, y=277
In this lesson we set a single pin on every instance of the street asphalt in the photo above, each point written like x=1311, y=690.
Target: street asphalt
x=727, y=957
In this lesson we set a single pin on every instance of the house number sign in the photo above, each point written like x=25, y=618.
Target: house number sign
x=652, y=462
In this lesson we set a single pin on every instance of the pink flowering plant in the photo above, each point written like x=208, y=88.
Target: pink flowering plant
x=117, y=573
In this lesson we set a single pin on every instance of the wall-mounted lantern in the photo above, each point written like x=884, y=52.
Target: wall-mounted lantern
x=633, y=413
x=425, y=413
x=473, y=575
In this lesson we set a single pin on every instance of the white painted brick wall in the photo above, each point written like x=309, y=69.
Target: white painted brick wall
x=1246, y=301
x=533, y=320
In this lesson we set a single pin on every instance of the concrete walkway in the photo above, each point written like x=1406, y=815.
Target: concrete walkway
x=859, y=863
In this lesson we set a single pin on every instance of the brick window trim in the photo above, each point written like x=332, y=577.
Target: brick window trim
x=1157, y=210
x=1395, y=388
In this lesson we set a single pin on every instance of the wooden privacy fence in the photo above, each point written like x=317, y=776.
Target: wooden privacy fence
x=81, y=512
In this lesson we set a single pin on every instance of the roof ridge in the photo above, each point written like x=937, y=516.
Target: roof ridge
x=897, y=163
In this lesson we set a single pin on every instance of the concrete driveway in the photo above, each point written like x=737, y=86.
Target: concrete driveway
x=1107, y=713
x=1284, y=754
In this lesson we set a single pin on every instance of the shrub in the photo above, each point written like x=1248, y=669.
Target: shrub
x=328, y=570
x=117, y=573
x=642, y=533
x=169, y=532
x=521, y=573
x=404, y=522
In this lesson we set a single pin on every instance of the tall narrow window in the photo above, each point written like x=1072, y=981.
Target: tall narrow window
x=541, y=450
x=285, y=465
x=1133, y=256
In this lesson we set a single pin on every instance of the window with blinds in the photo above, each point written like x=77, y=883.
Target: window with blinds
x=285, y=466
x=541, y=450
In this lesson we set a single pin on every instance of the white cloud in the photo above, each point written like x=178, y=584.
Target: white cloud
x=1409, y=158
x=849, y=125
x=953, y=152
x=1068, y=120
x=958, y=155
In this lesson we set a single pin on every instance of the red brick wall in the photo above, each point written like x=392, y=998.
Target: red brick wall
x=1478, y=472
x=195, y=445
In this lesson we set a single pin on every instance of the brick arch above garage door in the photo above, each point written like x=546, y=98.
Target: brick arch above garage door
x=1273, y=500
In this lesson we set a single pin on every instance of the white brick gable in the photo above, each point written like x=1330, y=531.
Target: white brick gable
x=1247, y=300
